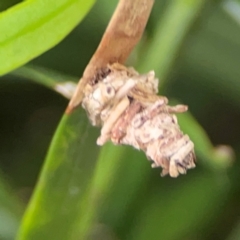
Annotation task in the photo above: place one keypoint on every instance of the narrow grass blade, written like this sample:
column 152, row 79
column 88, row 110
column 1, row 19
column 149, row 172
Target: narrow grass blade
column 65, row 85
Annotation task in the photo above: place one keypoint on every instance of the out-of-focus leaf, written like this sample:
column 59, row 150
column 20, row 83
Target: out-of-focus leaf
column 32, row 27
column 168, row 36
column 235, row 233
column 65, row 85
column 210, row 60
column 54, row 207
column 233, row 9
column 11, row 211
column 120, row 170
column 181, row 210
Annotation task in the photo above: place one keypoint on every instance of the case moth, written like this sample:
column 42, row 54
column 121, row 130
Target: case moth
column 126, row 105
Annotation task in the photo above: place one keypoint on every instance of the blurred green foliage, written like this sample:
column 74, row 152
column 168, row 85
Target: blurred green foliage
column 79, row 191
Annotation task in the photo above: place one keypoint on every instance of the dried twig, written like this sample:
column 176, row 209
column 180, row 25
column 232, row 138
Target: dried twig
column 122, row 34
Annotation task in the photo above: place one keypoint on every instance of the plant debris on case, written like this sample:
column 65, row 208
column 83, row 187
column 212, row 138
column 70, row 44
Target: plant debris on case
column 126, row 105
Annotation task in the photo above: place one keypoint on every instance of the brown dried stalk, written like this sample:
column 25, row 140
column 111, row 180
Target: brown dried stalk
column 122, row 34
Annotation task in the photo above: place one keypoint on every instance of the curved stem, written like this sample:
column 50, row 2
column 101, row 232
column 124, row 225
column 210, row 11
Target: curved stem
column 122, row 34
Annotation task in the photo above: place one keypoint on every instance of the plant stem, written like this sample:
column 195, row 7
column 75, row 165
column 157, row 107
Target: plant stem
column 122, row 34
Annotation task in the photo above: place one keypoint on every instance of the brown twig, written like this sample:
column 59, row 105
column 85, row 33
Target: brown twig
column 122, row 34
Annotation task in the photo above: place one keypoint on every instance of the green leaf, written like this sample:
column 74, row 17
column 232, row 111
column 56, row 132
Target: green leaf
column 119, row 170
column 30, row 28
column 176, row 212
column 11, row 211
column 54, row 207
column 61, row 83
